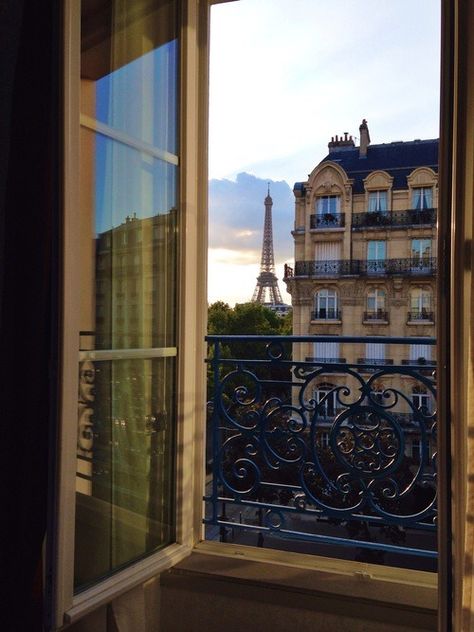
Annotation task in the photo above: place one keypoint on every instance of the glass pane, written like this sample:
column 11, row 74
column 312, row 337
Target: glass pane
column 128, row 242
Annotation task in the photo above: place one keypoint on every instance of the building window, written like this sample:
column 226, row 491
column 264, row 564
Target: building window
column 421, row 307
column 377, row 201
column 420, row 353
column 325, row 396
column 376, row 256
column 328, row 204
column 422, row 197
column 375, row 352
column 326, row 305
column 421, row 249
column 376, row 309
column 326, row 351
column 324, row 440
column 422, row 400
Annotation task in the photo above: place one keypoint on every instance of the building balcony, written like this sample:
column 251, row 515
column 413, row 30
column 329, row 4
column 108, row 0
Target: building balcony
column 327, row 220
column 325, row 360
column 420, row 316
column 394, row 219
column 418, row 362
column 376, row 314
column 423, row 266
column 272, row 480
column 326, row 314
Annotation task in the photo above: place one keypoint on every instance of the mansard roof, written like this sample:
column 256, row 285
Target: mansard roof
column 398, row 159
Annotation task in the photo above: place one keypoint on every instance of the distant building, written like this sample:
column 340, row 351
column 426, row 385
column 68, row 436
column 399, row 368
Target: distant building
column 365, row 238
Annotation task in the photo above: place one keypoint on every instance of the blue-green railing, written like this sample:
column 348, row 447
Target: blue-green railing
column 328, row 453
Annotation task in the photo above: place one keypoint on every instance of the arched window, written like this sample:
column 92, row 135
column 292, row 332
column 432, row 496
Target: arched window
column 376, row 304
column 326, row 305
column 421, row 305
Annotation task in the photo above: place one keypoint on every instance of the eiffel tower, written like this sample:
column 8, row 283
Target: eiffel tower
column 267, row 283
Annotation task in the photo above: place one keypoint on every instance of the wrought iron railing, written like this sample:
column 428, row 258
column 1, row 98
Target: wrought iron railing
column 327, row 220
column 394, row 219
column 273, row 474
column 419, row 361
column 322, row 361
column 376, row 314
column 420, row 315
column 326, row 314
column 377, row 361
column 358, row 267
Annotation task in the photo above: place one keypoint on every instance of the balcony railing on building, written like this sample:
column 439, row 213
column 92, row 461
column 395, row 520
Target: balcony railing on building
column 326, row 313
column 376, row 314
column 327, row 220
column 410, row 266
column 394, row 219
column 332, row 458
column 420, row 315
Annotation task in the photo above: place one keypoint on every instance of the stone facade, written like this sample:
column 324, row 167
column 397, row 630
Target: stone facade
column 365, row 246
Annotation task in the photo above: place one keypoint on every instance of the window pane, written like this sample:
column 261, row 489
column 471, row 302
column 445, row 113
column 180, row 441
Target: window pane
column 128, row 241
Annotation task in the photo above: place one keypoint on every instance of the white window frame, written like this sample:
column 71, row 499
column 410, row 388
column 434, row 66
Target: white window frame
column 424, row 193
column 379, row 297
column 323, row 205
column 378, row 200
column 67, row 606
column 322, row 299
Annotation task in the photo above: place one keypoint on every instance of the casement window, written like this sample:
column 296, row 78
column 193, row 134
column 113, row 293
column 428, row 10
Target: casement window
column 122, row 514
column 421, row 249
column 326, row 304
column 377, row 201
column 328, row 204
column 421, row 300
column 326, row 397
column 376, row 300
column 422, row 197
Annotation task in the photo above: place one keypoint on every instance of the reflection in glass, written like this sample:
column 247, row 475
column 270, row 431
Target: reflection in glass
column 128, row 242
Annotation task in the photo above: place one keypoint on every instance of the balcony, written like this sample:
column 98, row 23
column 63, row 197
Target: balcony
column 376, row 315
column 375, row 362
column 322, row 361
column 394, row 219
column 272, row 481
column 326, row 314
column 327, row 220
column 420, row 316
column 422, row 266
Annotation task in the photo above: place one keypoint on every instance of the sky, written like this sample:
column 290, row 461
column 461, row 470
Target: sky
column 286, row 75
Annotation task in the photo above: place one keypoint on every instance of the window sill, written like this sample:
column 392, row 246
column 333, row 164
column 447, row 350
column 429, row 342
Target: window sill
column 325, row 321
column 420, row 322
column 352, row 585
column 375, row 321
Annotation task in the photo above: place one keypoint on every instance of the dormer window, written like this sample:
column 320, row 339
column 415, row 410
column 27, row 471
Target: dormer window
column 377, row 201
column 422, row 197
column 328, row 204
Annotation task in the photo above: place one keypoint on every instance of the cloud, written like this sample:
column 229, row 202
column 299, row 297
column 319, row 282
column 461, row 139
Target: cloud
column 237, row 213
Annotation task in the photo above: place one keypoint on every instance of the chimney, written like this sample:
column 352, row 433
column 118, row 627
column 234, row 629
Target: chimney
column 364, row 139
column 337, row 143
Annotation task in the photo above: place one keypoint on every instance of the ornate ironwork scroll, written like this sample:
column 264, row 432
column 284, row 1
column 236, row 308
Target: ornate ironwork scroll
column 326, row 452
